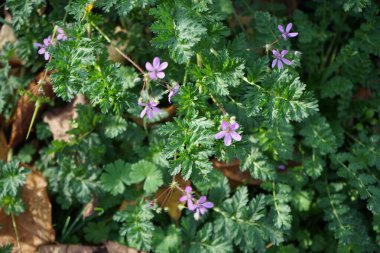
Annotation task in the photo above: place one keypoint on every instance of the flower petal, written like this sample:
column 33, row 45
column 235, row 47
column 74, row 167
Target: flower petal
column 149, row 66
column 208, row 205
column 156, row 63
column 281, row 28
column 234, row 126
column 191, row 205
column 224, row 125
column 235, row 136
column 171, row 93
column 156, row 110
column 37, row 44
column 60, row 36
column 220, row 135
column 188, row 189
column 275, row 53
column 286, row 61
column 163, row 66
column 160, row 75
column 227, row 139
column 60, row 30
column 288, row 27
column 202, row 200
column 152, row 75
column 183, row 198
column 274, row 62
column 150, row 113
column 143, row 112
column 153, row 103
column 47, row 41
column 42, row 50
column 284, row 52
column 202, row 210
column 292, row 34
column 47, row 56
column 279, row 64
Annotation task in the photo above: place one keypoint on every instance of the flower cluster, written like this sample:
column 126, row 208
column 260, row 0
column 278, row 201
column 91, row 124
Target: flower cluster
column 198, row 207
column 279, row 56
column 49, row 41
column 156, row 72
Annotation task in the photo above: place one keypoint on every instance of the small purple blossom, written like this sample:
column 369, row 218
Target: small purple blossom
column 200, row 207
column 228, row 132
column 42, row 47
column 156, row 70
column 285, row 33
column 150, row 109
column 188, row 197
column 279, row 59
column 281, row 167
column 61, row 34
column 173, row 91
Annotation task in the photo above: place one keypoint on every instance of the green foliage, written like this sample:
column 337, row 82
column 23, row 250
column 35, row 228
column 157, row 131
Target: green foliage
column 136, row 226
column 318, row 118
column 22, row 11
column 240, row 221
column 176, row 30
column 6, row 248
column 12, row 178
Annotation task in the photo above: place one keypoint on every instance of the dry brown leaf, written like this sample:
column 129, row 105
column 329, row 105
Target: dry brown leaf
column 3, row 146
column 35, row 224
column 25, row 107
column 59, row 119
column 115, row 247
column 108, row 247
column 231, row 171
column 7, row 35
column 168, row 198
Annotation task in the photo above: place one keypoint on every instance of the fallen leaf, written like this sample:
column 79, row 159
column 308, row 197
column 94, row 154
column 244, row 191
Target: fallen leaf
column 113, row 54
column 3, row 146
column 115, row 247
column 108, row 247
column 232, row 171
column 168, row 197
column 35, row 224
column 7, row 35
column 25, row 107
column 59, row 119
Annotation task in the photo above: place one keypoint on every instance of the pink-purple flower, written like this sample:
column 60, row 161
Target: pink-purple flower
column 228, row 132
column 156, row 70
column 173, row 91
column 286, row 33
column 188, row 197
column 200, row 207
column 42, row 47
column 150, row 109
column 279, row 59
column 61, row 34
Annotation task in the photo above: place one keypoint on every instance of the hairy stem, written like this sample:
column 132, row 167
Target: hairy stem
column 117, row 49
column 16, row 232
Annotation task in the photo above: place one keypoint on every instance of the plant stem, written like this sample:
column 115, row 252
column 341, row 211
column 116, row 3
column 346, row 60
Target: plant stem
column 16, row 232
column 117, row 49
column 217, row 104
